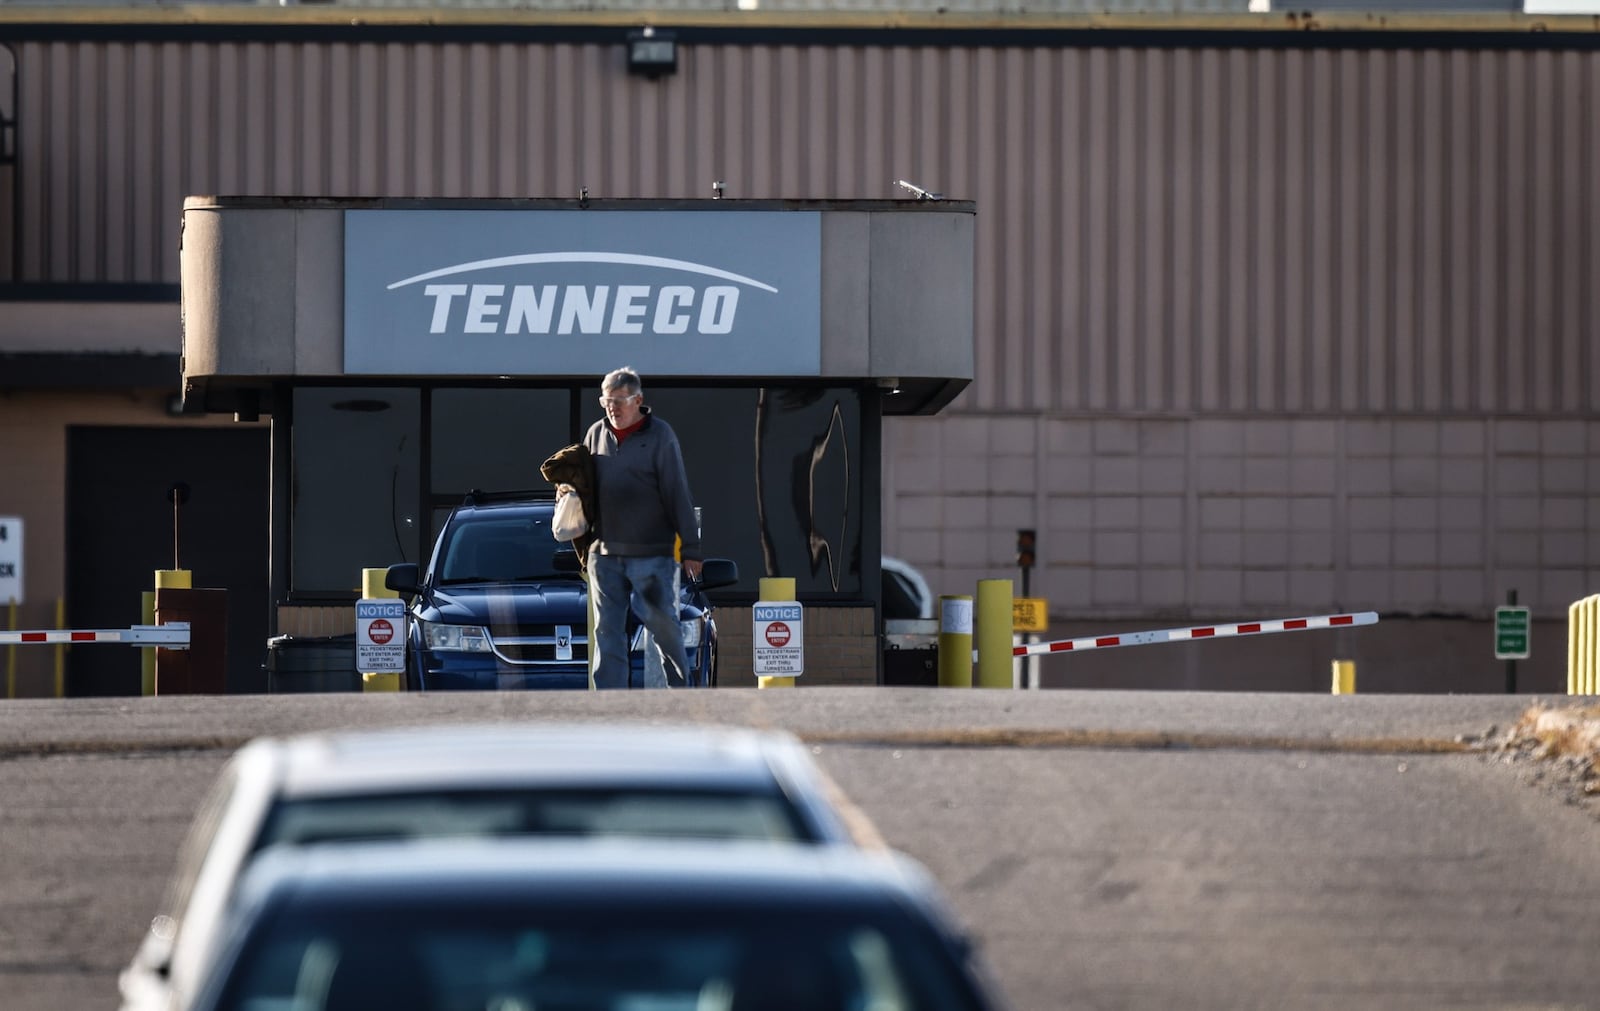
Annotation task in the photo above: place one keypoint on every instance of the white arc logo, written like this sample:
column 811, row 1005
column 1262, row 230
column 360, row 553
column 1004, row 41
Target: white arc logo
column 565, row 309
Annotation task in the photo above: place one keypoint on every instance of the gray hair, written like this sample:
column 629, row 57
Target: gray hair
column 623, row 378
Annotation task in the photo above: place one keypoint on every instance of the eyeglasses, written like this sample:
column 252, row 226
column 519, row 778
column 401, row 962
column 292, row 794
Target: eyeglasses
column 616, row 401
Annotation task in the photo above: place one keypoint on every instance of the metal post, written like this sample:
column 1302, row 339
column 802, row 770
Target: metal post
column 1511, row 665
column 1027, row 547
column 177, row 494
column 61, row 651
column 1030, row 663
column 11, row 651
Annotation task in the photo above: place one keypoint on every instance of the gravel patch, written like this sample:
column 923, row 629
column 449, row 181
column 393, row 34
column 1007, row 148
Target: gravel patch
column 1555, row 748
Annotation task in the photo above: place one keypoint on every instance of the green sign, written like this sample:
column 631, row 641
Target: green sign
column 1511, row 633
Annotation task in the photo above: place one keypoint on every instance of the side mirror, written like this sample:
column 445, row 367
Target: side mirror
column 565, row 560
column 403, row 576
column 717, row 572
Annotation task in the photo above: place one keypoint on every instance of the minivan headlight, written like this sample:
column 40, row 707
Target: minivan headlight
column 455, row 638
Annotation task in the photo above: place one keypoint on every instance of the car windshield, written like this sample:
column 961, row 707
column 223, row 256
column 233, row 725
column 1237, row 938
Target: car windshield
column 500, row 549
column 701, row 814
column 612, row 951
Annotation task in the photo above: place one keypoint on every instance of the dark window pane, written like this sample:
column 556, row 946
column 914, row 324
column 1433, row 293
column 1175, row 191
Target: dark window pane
column 355, row 491
column 495, row 439
column 778, row 477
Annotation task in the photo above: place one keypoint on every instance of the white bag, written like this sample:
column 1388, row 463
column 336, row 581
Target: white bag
column 569, row 523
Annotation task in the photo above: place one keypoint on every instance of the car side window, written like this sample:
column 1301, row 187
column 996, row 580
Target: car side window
column 191, row 855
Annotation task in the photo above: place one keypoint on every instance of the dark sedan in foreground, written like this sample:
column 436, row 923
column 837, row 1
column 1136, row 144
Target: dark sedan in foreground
column 580, row 780
column 607, row 924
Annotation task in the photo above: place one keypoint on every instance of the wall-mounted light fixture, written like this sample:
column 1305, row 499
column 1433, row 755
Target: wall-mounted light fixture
column 652, row 52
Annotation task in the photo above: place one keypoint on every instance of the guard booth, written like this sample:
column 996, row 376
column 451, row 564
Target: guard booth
column 408, row 351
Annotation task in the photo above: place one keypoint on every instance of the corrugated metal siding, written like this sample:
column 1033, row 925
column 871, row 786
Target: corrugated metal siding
column 894, row 6
column 9, row 206
column 1159, row 230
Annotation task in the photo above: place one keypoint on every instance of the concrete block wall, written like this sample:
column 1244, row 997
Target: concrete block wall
column 1218, row 517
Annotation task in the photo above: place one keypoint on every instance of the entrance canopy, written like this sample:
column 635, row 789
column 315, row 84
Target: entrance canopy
column 732, row 292
column 412, row 351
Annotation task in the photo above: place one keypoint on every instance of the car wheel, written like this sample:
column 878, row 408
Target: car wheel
column 711, row 662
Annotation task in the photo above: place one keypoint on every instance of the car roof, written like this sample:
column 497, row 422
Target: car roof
column 556, row 755
column 557, row 870
column 507, row 501
column 917, row 582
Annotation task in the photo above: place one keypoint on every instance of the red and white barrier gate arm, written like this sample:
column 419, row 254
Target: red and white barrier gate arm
column 173, row 635
column 1199, row 632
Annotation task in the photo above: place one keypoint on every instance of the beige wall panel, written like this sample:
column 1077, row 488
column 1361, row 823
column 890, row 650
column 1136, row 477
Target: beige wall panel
column 89, row 327
column 33, row 442
column 1159, row 230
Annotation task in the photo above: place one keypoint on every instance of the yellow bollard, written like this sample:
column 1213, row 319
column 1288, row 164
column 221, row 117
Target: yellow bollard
column 1580, row 646
column 1592, row 684
column 1589, row 645
column 61, row 649
column 174, row 579
column 1344, row 677
column 1574, row 616
column 147, row 654
column 955, row 641
column 994, row 634
column 372, row 588
column 166, row 579
column 776, row 588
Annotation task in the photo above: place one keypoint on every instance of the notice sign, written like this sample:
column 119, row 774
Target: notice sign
column 779, row 638
column 381, row 635
column 10, row 560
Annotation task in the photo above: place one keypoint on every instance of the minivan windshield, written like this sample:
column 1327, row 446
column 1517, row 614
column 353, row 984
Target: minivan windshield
column 500, row 549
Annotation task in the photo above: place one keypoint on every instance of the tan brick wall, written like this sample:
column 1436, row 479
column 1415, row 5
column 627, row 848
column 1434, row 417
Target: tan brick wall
column 841, row 647
column 332, row 619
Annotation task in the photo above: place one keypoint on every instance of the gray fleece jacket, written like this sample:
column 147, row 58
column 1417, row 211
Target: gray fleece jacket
column 644, row 493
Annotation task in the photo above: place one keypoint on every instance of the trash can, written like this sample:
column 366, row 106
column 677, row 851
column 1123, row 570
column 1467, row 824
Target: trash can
column 911, row 652
column 312, row 663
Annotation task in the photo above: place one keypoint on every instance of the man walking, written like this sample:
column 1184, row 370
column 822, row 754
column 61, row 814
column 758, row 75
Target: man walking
column 644, row 505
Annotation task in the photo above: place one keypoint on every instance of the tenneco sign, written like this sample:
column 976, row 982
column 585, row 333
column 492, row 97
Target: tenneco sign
column 581, row 292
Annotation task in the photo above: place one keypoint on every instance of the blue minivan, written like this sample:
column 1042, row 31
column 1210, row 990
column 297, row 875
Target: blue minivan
column 502, row 605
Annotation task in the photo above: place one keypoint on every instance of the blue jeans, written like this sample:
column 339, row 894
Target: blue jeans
column 650, row 586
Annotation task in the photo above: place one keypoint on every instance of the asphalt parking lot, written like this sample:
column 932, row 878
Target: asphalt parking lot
column 1107, row 849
